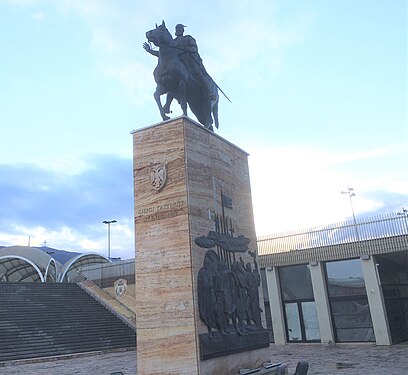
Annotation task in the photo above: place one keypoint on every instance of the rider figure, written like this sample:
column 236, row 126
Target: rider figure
column 191, row 59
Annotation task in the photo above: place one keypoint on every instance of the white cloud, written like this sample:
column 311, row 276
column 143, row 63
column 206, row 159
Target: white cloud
column 132, row 76
column 66, row 238
column 23, row 3
column 34, row 203
column 38, row 236
column 253, row 35
column 38, row 16
column 300, row 188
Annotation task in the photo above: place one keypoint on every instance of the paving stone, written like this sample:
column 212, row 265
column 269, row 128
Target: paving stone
column 358, row 359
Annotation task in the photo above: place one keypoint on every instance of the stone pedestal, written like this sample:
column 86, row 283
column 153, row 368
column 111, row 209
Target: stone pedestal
column 180, row 170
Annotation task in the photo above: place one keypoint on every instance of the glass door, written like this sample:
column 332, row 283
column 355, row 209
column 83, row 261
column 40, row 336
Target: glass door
column 299, row 305
column 309, row 318
column 293, row 326
column 301, row 322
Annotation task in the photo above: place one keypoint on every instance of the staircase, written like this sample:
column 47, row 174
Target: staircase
column 50, row 319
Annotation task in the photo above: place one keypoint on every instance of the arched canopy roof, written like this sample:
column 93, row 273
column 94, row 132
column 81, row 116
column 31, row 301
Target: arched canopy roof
column 51, row 271
column 28, row 261
column 80, row 261
column 25, row 263
column 37, row 256
column 15, row 268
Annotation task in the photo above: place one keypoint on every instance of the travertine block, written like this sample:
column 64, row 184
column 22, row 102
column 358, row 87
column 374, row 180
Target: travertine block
column 199, row 165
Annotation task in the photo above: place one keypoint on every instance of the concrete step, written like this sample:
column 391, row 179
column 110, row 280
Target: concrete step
column 48, row 319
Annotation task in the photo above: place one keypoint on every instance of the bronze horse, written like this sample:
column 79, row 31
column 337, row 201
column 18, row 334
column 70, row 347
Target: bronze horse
column 176, row 80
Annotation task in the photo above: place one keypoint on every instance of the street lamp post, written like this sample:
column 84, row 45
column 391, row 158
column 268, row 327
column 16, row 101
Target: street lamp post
column 109, row 222
column 350, row 192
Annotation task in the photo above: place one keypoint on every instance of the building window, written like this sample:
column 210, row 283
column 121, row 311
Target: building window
column 348, row 301
column 299, row 305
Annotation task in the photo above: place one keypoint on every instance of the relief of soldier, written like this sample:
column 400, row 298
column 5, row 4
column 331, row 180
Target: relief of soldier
column 228, row 298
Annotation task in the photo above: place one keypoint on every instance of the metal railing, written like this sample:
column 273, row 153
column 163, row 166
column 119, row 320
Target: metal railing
column 104, row 275
column 387, row 225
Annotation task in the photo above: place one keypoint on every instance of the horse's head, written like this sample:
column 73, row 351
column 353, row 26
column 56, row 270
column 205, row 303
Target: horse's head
column 159, row 36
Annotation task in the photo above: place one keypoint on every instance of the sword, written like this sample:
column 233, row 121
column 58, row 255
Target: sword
column 219, row 88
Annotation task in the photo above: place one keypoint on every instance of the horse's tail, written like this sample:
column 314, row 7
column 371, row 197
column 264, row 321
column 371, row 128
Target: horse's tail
column 215, row 113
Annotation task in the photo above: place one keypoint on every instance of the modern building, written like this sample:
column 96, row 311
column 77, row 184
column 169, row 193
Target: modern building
column 345, row 282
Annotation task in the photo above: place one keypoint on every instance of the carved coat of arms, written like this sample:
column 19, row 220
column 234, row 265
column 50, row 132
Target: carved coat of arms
column 120, row 287
column 158, row 176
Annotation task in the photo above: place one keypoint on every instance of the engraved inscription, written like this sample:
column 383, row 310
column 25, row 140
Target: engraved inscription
column 160, row 215
column 160, row 211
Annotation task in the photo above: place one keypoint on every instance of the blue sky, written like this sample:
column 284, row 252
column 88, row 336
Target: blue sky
column 318, row 90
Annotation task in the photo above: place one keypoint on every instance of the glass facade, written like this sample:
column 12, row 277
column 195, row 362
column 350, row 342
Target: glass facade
column 393, row 271
column 349, row 308
column 348, row 301
column 299, row 305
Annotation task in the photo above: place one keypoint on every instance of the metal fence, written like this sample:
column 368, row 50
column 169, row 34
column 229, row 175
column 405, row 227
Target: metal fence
column 388, row 225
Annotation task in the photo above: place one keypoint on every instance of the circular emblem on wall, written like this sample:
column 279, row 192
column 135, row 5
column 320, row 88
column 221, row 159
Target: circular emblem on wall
column 120, row 287
column 158, row 176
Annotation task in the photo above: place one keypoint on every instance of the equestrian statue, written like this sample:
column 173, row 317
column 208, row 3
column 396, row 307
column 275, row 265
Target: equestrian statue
column 181, row 75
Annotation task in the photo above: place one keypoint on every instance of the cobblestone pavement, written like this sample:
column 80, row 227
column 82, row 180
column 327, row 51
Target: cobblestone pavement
column 357, row 359
column 339, row 360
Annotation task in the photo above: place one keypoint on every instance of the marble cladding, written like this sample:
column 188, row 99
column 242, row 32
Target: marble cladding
column 199, row 165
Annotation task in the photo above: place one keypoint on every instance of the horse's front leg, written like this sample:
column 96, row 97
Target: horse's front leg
column 182, row 100
column 160, row 91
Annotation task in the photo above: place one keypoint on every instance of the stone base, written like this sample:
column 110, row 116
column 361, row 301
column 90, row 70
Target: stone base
column 219, row 345
column 181, row 173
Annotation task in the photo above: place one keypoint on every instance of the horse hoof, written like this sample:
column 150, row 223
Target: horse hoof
column 165, row 118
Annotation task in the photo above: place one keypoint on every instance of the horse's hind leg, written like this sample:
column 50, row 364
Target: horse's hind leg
column 169, row 99
column 207, row 113
column 160, row 91
column 215, row 113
